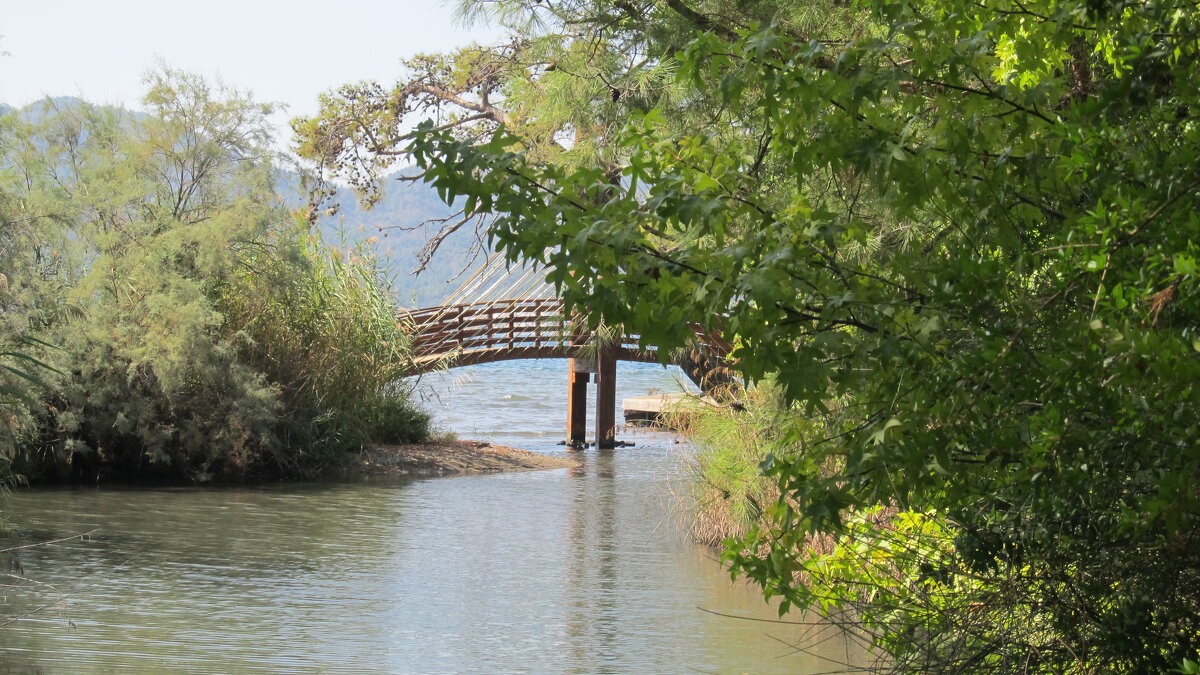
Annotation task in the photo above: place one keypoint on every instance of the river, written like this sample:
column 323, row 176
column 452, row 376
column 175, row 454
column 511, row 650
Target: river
column 565, row 571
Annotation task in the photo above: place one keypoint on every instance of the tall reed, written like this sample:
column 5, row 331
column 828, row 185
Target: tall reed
column 319, row 322
column 728, row 489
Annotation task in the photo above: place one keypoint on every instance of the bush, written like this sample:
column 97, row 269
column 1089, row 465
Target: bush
column 201, row 330
column 320, row 325
column 396, row 420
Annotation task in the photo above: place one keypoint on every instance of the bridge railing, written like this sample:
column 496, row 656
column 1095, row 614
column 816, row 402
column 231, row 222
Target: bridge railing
column 458, row 335
column 464, row 334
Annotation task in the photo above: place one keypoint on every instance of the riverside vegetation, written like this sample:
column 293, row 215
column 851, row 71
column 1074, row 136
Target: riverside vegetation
column 959, row 237
column 166, row 315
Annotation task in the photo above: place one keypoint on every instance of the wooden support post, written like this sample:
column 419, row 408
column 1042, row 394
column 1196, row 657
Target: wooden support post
column 606, row 397
column 577, row 386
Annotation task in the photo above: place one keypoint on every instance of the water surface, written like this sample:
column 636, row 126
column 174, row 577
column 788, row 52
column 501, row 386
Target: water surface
column 571, row 571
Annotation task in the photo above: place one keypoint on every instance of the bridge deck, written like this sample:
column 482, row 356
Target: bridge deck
column 460, row 335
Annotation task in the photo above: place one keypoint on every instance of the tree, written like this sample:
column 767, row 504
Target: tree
column 208, row 333
column 564, row 85
column 961, row 237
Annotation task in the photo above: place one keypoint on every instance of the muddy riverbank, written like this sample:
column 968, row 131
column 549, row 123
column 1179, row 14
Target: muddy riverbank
column 447, row 458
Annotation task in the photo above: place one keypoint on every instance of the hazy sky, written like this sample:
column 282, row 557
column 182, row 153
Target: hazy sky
column 284, row 51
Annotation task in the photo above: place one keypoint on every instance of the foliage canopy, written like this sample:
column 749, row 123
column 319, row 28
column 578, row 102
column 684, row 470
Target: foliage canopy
column 960, row 235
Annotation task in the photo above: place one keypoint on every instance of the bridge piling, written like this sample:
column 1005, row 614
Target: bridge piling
column 577, row 386
column 606, row 397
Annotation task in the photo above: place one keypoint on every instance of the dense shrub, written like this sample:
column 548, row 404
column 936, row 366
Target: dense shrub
column 320, row 327
column 200, row 330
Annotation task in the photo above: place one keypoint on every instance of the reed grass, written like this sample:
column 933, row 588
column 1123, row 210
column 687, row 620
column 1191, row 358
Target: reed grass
column 321, row 324
column 728, row 489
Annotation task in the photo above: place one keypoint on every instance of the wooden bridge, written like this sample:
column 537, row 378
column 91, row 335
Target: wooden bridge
column 533, row 326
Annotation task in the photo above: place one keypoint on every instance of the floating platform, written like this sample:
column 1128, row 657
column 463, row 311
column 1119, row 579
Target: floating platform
column 653, row 409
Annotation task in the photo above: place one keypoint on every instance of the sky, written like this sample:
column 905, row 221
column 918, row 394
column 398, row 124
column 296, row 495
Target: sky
column 282, row 51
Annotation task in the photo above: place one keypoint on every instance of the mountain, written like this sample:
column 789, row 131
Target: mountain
column 392, row 228
column 394, row 231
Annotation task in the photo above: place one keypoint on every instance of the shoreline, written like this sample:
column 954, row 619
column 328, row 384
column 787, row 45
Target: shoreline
column 447, row 459
column 415, row 460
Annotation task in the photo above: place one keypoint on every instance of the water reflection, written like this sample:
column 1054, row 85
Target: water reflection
column 593, row 616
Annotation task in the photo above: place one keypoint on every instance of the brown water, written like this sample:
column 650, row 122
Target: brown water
column 565, row 571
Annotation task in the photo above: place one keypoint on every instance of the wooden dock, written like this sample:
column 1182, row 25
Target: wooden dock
column 652, row 409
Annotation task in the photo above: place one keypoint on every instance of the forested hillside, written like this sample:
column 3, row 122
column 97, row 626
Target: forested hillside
column 396, row 229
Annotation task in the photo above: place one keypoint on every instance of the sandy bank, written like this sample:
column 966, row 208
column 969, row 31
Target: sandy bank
column 435, row 459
